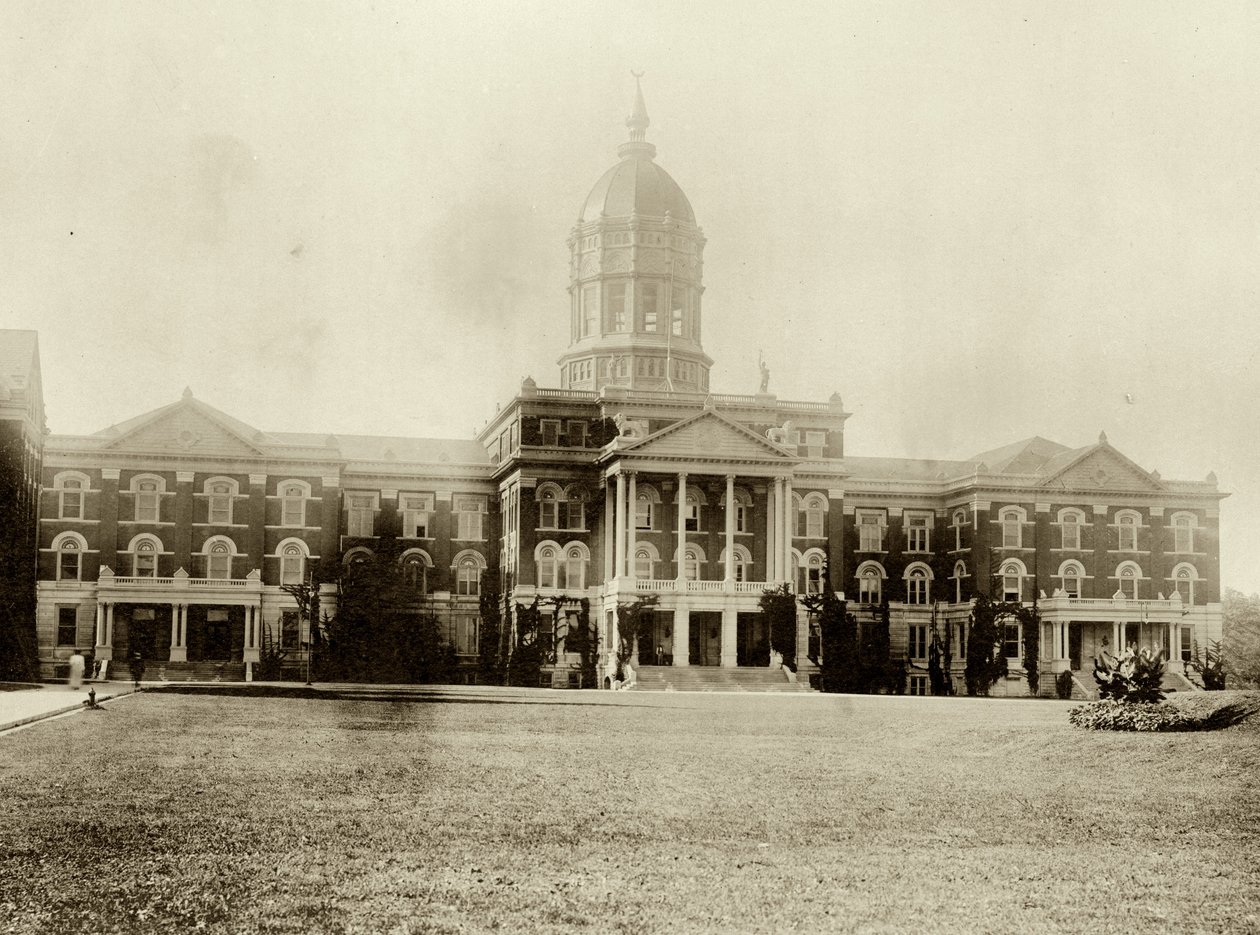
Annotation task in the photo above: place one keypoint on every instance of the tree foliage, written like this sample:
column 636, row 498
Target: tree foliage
column 877, row 670
column 631, row 616
column 985, row 662
column 837, row 660
column 779, row 607
column 529, row 651
column 940, row 658
column 1240, row 648
column 491, row 658
column 1132, row 677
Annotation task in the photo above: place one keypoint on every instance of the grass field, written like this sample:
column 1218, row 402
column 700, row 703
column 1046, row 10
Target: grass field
column 560, row 811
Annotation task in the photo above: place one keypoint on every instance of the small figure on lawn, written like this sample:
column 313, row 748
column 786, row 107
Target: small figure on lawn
column 77, row 665
column 137, row 669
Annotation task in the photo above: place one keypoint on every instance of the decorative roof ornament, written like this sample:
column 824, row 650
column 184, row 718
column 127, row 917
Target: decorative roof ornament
column 1102, row 438
column 637, row 146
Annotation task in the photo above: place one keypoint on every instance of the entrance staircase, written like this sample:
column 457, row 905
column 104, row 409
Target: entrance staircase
column 196, row 671
column 1086, row 689
column 715, row 679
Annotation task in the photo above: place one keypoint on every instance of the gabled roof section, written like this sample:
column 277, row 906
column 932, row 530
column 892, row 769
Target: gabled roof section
column 187, row 426
column 386, row 448
column 710, row 435
column 1099, row 466
column 1023, row 457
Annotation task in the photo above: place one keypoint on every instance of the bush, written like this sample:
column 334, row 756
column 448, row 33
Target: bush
column 1112, row 714
column 1133, row 677
column 1063, row 685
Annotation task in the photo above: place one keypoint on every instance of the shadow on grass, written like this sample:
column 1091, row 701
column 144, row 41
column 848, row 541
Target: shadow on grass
column 429, row 696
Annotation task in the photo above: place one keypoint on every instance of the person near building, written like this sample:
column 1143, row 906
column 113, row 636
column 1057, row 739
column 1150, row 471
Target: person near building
column 77, row 665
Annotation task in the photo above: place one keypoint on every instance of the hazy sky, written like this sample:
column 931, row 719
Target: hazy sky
column 977, row 221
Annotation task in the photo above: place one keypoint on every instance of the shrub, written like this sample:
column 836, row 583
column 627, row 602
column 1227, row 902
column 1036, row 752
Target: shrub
column 1133, row 677
column 1210, row 666
column 1063, row 685
column 1113, row 714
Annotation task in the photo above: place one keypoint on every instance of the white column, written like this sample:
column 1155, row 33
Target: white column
column 610, row 533
column 789, row 520
column 109, row 630
column 730, row 529
column 771, row 538
column 620, row 559
column 100, row 627
column 778, row 530
column 682, row 636
column 630, row 524
column 730, row 626
column 179, row 633
column 682, row 526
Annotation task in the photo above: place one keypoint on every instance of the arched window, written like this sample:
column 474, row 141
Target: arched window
column 1183, row 579
column 693, row 561
column 144, row 557
column 870, row 576
column 809, row 517
column 69, row 548
column 575, row 567
column 549, row 499
column 1012, row 520
column 1183, row 533
column 1129, row 574
column 415, row 570
column 959, row 522
column 1072, row 574
column 960, row 572
column 1012, row 575
column 468, row 568
column 548, row 562
column 740, row 562
column 918, row 584
column 70, row 486
column 357, row 560
column 645, row 501
column 1127, row 527
column 218, row 559
column 292, row 554
column 812, row 566
column 1070, row 523
column 293, row 497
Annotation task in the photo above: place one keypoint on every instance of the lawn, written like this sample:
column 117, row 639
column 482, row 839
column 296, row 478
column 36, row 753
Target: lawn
column 560, row 811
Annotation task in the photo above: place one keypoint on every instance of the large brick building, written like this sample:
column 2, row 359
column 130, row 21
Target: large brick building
column 173, row 533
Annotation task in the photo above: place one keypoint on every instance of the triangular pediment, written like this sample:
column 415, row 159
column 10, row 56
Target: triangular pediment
column 1103, row 468
column 185, row 427
column 708, row 436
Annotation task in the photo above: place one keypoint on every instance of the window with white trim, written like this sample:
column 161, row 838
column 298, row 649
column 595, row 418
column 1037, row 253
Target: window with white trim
column 144, row 559
column 1012, row 579
column 290, row 629
column 811, row 516
column 292, row 564
column 468, row 577
column 1183, row 533
column 67, row 626
column 644, row 509
column 960, row 522
column 574, row 568
column 466, row 633
column 415, row 569
column 1184, row 577
column 218, row 561
column 870, row 525
column 550, row 431
column 1012, row 633
column 1187, row 643
column 691, row 513
column 590, row 311
column 69, row 560
column 548, row 567
column 870, row 584
column 615, row 305
column 219, row 504
column 70, row 496
column 293, row 498
column 1072, row 574
column 1070, row 522
column 416, row 510
column 470, row 511
column 815, row 444
column 917, row 586
column 960, row 572
column 918, row 532
column 644, row 563
column 1012, row 520
column 692, row 560
column 147, row 494
column 1126, row 528
column 360, row 514
column 1129, row 575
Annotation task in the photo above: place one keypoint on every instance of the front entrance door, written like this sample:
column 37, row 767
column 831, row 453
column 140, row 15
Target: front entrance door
column 753, row 640
column 1132, row 635
column 705, row 638
column 1074, row 645
column 656, row 640
column 218, row 639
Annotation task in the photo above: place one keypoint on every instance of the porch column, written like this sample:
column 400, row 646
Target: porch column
column 630, row 524
column 682, row 526
column 730, row 529
column 620, row 558
column 610, row 533
column 682, row 636
column 100, row 629
column 778, row 530
column 1174, row 642
column 109, row 630
column 730, row 628
column 1117, row 637
column 789, row 520
column 771, row 538
column 249, row 654
column 179, row 633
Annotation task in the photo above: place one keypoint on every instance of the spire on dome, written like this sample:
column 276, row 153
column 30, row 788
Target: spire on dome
column 637, row 123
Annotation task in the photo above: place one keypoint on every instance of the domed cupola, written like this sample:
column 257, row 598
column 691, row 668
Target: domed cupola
column 636, row 257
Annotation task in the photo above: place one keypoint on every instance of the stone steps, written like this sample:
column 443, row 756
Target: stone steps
column 715, row 679
column 196, row 671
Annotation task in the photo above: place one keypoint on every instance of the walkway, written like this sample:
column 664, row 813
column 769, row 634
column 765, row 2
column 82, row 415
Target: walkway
column 24, row 705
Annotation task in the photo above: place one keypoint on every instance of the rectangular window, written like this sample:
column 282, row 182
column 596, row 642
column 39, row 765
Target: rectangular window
column 692, row 516
column 466, row 635
column 615, row 305
column 360, row 514
column 219, row 565
column 550, row 430
column 576, row 432
column 741, row 518
column 643, row 514
column 416, row 509
column 918, row 641
column 548, row 514
column 1010, row 587
column 1182, row 537
column 1011, row 532
column 1187, row 643
column 676, row 324
column 68, row 562
column 647, row 299
column 917, row 533
column 67, row 626
column 870, row 532
column 917, row 589
column 1071, row 532
column 293, row 509
column 962, row 641
column 289, row 631
column 469, row 511
column 1128, row 534
column 72, row 500
column 815, row 444
column 147, row 503
column 590, row 311
column 918, row 685
column 1010, row 641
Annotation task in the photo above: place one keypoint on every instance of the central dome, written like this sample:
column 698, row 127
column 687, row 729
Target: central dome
column 637, row 185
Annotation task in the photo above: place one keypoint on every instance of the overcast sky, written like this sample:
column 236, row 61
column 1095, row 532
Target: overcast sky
column 977, row 221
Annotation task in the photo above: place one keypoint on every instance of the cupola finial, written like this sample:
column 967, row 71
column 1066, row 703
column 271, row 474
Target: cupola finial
column 637, row 123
